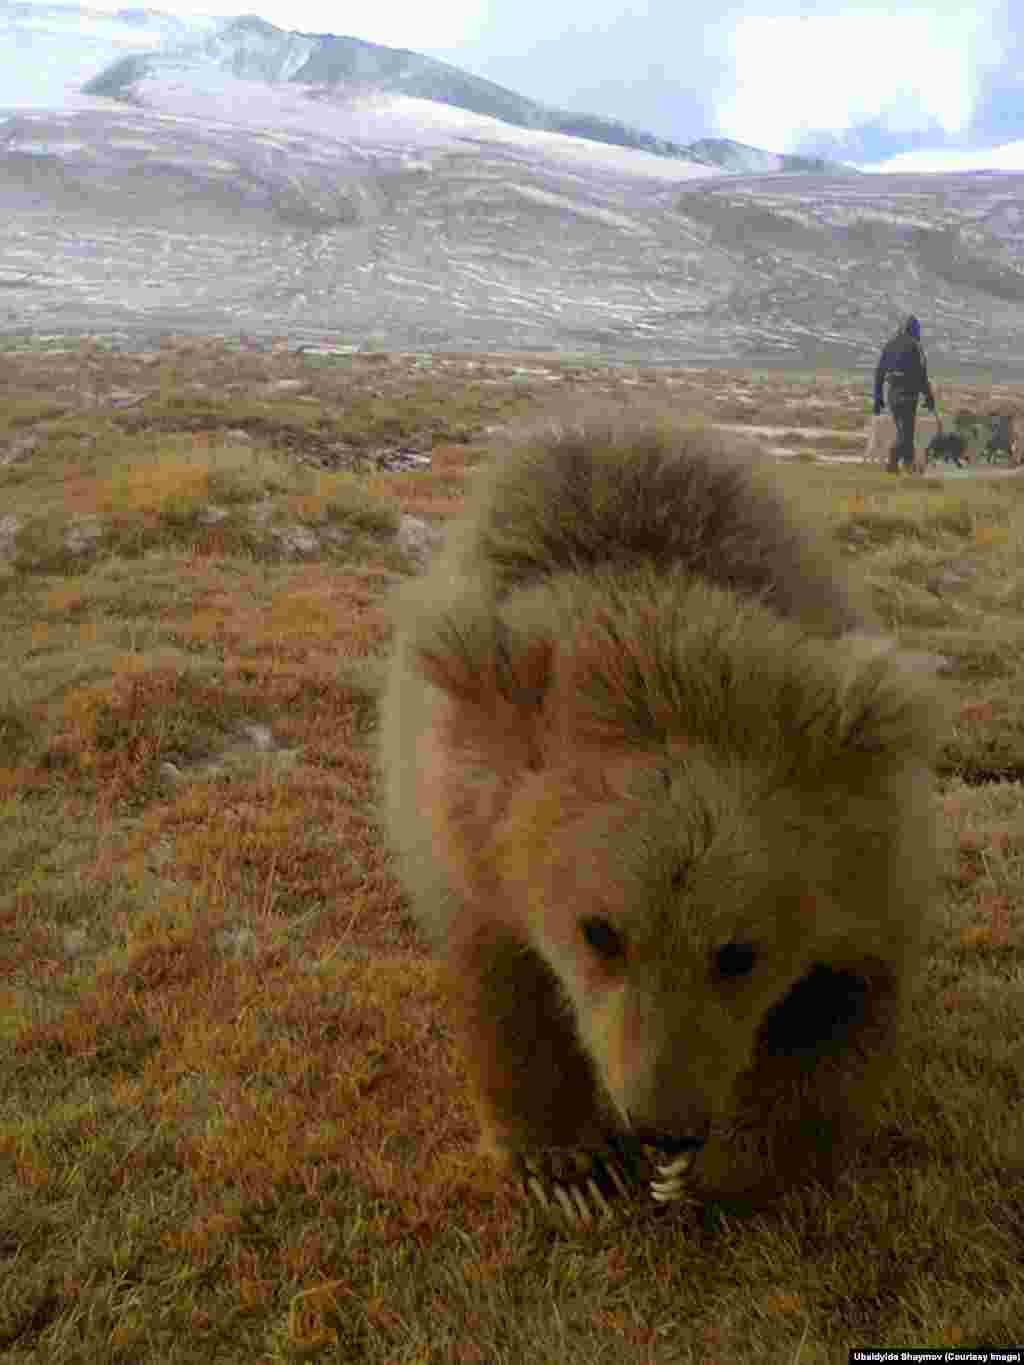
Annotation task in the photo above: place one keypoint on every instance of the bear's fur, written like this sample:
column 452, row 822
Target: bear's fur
column 669, row 832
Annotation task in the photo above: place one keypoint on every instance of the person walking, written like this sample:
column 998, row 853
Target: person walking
column 903, row 370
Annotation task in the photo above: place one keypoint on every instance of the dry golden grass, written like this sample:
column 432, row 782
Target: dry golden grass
column 231, row 1124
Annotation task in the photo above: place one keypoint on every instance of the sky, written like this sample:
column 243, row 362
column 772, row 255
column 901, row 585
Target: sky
column 936, row 86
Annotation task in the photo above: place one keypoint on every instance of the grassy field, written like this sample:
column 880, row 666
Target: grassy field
column 232, row 1127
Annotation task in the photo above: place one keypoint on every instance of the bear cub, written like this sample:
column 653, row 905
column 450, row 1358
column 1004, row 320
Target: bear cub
column 665, row 815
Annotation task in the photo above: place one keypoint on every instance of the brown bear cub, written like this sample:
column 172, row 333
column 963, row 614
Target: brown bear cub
column 670, row 832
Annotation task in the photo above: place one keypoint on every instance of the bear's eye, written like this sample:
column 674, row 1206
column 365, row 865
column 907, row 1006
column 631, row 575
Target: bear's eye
column 603, row 937
column 735, row 959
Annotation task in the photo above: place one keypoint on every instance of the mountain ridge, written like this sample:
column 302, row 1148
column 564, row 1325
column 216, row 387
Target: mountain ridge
column 249, row 47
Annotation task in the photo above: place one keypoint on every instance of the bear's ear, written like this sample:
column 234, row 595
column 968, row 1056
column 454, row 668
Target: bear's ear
column 888, row 702
column 476, row 658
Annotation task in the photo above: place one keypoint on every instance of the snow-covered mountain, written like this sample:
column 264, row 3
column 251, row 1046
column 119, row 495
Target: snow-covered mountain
column 50, row 51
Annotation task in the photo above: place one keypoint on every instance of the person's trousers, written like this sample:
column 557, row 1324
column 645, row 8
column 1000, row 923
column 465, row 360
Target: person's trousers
column 904, row 411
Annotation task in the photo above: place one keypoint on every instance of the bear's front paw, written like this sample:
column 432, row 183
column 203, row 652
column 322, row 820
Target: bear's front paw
column 671, row 1172
column 574, row 1185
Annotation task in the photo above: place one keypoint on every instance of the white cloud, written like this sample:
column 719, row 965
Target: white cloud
column 833, row 71
column 1009, row 157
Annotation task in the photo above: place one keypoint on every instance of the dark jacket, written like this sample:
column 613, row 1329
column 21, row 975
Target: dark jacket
column 903, row 364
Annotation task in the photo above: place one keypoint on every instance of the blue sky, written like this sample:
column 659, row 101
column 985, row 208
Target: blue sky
column 937, row 86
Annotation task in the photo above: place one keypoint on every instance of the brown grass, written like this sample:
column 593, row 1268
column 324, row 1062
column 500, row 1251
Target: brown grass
column 231, row 1124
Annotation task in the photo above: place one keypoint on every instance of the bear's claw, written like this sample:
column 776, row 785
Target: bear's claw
column 671, row 1186
column 568, row 1185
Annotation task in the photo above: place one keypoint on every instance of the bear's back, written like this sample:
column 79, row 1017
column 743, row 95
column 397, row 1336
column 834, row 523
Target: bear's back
column 606, row 494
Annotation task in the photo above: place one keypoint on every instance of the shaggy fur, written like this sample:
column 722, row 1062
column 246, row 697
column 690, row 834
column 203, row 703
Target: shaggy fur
column 671, row 835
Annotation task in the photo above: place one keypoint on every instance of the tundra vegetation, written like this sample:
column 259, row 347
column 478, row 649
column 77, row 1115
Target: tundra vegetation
column 232, row 1123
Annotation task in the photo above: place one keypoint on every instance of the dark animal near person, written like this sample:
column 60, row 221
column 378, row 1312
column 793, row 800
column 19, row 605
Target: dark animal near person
column 948, row 446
